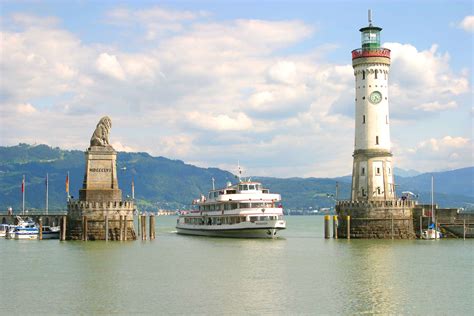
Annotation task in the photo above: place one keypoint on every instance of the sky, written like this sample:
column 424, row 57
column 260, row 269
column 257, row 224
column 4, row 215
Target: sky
column 267, row 84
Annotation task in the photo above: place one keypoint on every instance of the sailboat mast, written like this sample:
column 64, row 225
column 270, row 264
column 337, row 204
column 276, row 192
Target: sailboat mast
column 432, row 199
column 47, row 184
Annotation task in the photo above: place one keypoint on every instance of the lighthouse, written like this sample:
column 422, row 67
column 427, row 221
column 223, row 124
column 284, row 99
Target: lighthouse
column 373, row 210
column 372, row 174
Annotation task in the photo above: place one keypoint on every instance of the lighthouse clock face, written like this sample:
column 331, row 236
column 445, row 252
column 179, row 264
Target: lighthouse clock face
column 375, row 97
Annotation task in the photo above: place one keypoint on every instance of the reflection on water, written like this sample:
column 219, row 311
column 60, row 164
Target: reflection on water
column 300, row 273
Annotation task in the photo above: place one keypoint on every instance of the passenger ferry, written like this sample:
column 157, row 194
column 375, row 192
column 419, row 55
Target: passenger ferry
column 245, row 210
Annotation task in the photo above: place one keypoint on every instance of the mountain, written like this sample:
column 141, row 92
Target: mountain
column 171, row 184
column 405, row 173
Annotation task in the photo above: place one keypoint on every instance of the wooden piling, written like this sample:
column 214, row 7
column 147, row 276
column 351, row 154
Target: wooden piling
column 334, row 226
column 84, row 228
column 327, row 233
column 40, row 232
column 125, row 227
column 107, row 226
column 152, row 227
column 464, row 229
column 421, row 226
column 143, row 227
column 63, row 229
column 138, row 224
column 348, row 218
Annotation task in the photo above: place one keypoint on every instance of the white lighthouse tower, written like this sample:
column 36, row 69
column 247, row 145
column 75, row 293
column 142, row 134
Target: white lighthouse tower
column 372, row 174
column 373, row 210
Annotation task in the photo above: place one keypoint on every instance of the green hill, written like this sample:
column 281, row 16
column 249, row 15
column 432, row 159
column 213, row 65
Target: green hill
column 172, row 184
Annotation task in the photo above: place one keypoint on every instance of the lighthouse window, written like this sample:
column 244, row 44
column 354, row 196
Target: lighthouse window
column 363, row 119
column 363, row 74
column 363, row 173
column 378, row 190
column 376, row 140
column 377, row 172
column 376, row 72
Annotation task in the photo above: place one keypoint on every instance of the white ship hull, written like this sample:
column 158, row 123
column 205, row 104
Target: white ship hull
column 242, row 230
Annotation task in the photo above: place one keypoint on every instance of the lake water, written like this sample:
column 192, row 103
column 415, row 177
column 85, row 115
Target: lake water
column 301, row 273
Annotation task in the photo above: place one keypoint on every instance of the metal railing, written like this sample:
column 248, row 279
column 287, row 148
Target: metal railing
column 370, row 52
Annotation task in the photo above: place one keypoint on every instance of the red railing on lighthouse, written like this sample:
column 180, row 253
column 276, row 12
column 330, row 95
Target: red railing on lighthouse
column 370, row 52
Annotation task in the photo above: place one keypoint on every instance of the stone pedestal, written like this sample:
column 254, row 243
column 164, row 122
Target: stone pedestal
column 376, row 219
column 100, row 199
column 100, row 178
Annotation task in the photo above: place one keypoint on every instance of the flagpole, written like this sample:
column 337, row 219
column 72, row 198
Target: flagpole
column 47, row 183
column 23, row 195
column 67, row 186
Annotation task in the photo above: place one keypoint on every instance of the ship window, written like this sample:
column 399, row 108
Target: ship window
column 363, row 119
column 376, row 140
column 244, row 205
column 265, row 191
column 263, row 218
column 251, row 187
column 253, row 218
column 210, row 195
column 233, row 206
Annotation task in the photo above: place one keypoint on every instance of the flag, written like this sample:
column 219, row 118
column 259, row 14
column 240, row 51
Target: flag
column 67, row 183
column 23, row 185
column 133, row 190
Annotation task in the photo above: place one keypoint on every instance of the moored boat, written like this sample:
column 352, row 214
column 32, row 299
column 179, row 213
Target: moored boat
column 244, row 210
column 50, row 232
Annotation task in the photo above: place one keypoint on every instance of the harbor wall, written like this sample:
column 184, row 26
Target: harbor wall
column 392, row 219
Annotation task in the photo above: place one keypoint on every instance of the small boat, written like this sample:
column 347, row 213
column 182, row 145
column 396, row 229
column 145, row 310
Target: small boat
column 4, row 228
column 244, row 210
column 23, row 230
column 50, row 232
column 432, row 232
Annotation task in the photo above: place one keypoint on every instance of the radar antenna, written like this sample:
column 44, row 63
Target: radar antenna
column 370, row 17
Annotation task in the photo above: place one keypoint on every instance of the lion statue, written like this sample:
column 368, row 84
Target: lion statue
column 101, row 133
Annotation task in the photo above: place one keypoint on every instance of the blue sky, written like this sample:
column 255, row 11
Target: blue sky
column 268, row 83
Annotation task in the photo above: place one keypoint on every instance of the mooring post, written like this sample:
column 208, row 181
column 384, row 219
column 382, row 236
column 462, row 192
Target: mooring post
column 138, row 223
column 348, row 227
column 421, row 226
column 143, row 227
column 334, row 227
column 120, row 228
column 327, row 233
column 125, row 227
column 464, row 229
column 107, row 226
column 63, row 228
column 152, row 226
column 84, row 230
column 40, row 232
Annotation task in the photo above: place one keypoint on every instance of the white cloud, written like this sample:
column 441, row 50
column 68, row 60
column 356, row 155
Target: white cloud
column 110, row 66
column 206, row 86
column 422, row 80
column 436, row 106
column 221, row 122
column 467, row 24
column 26, row 109
column 448, row 152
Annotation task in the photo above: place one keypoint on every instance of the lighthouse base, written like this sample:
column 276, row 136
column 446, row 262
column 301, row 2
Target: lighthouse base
column 392, row 219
